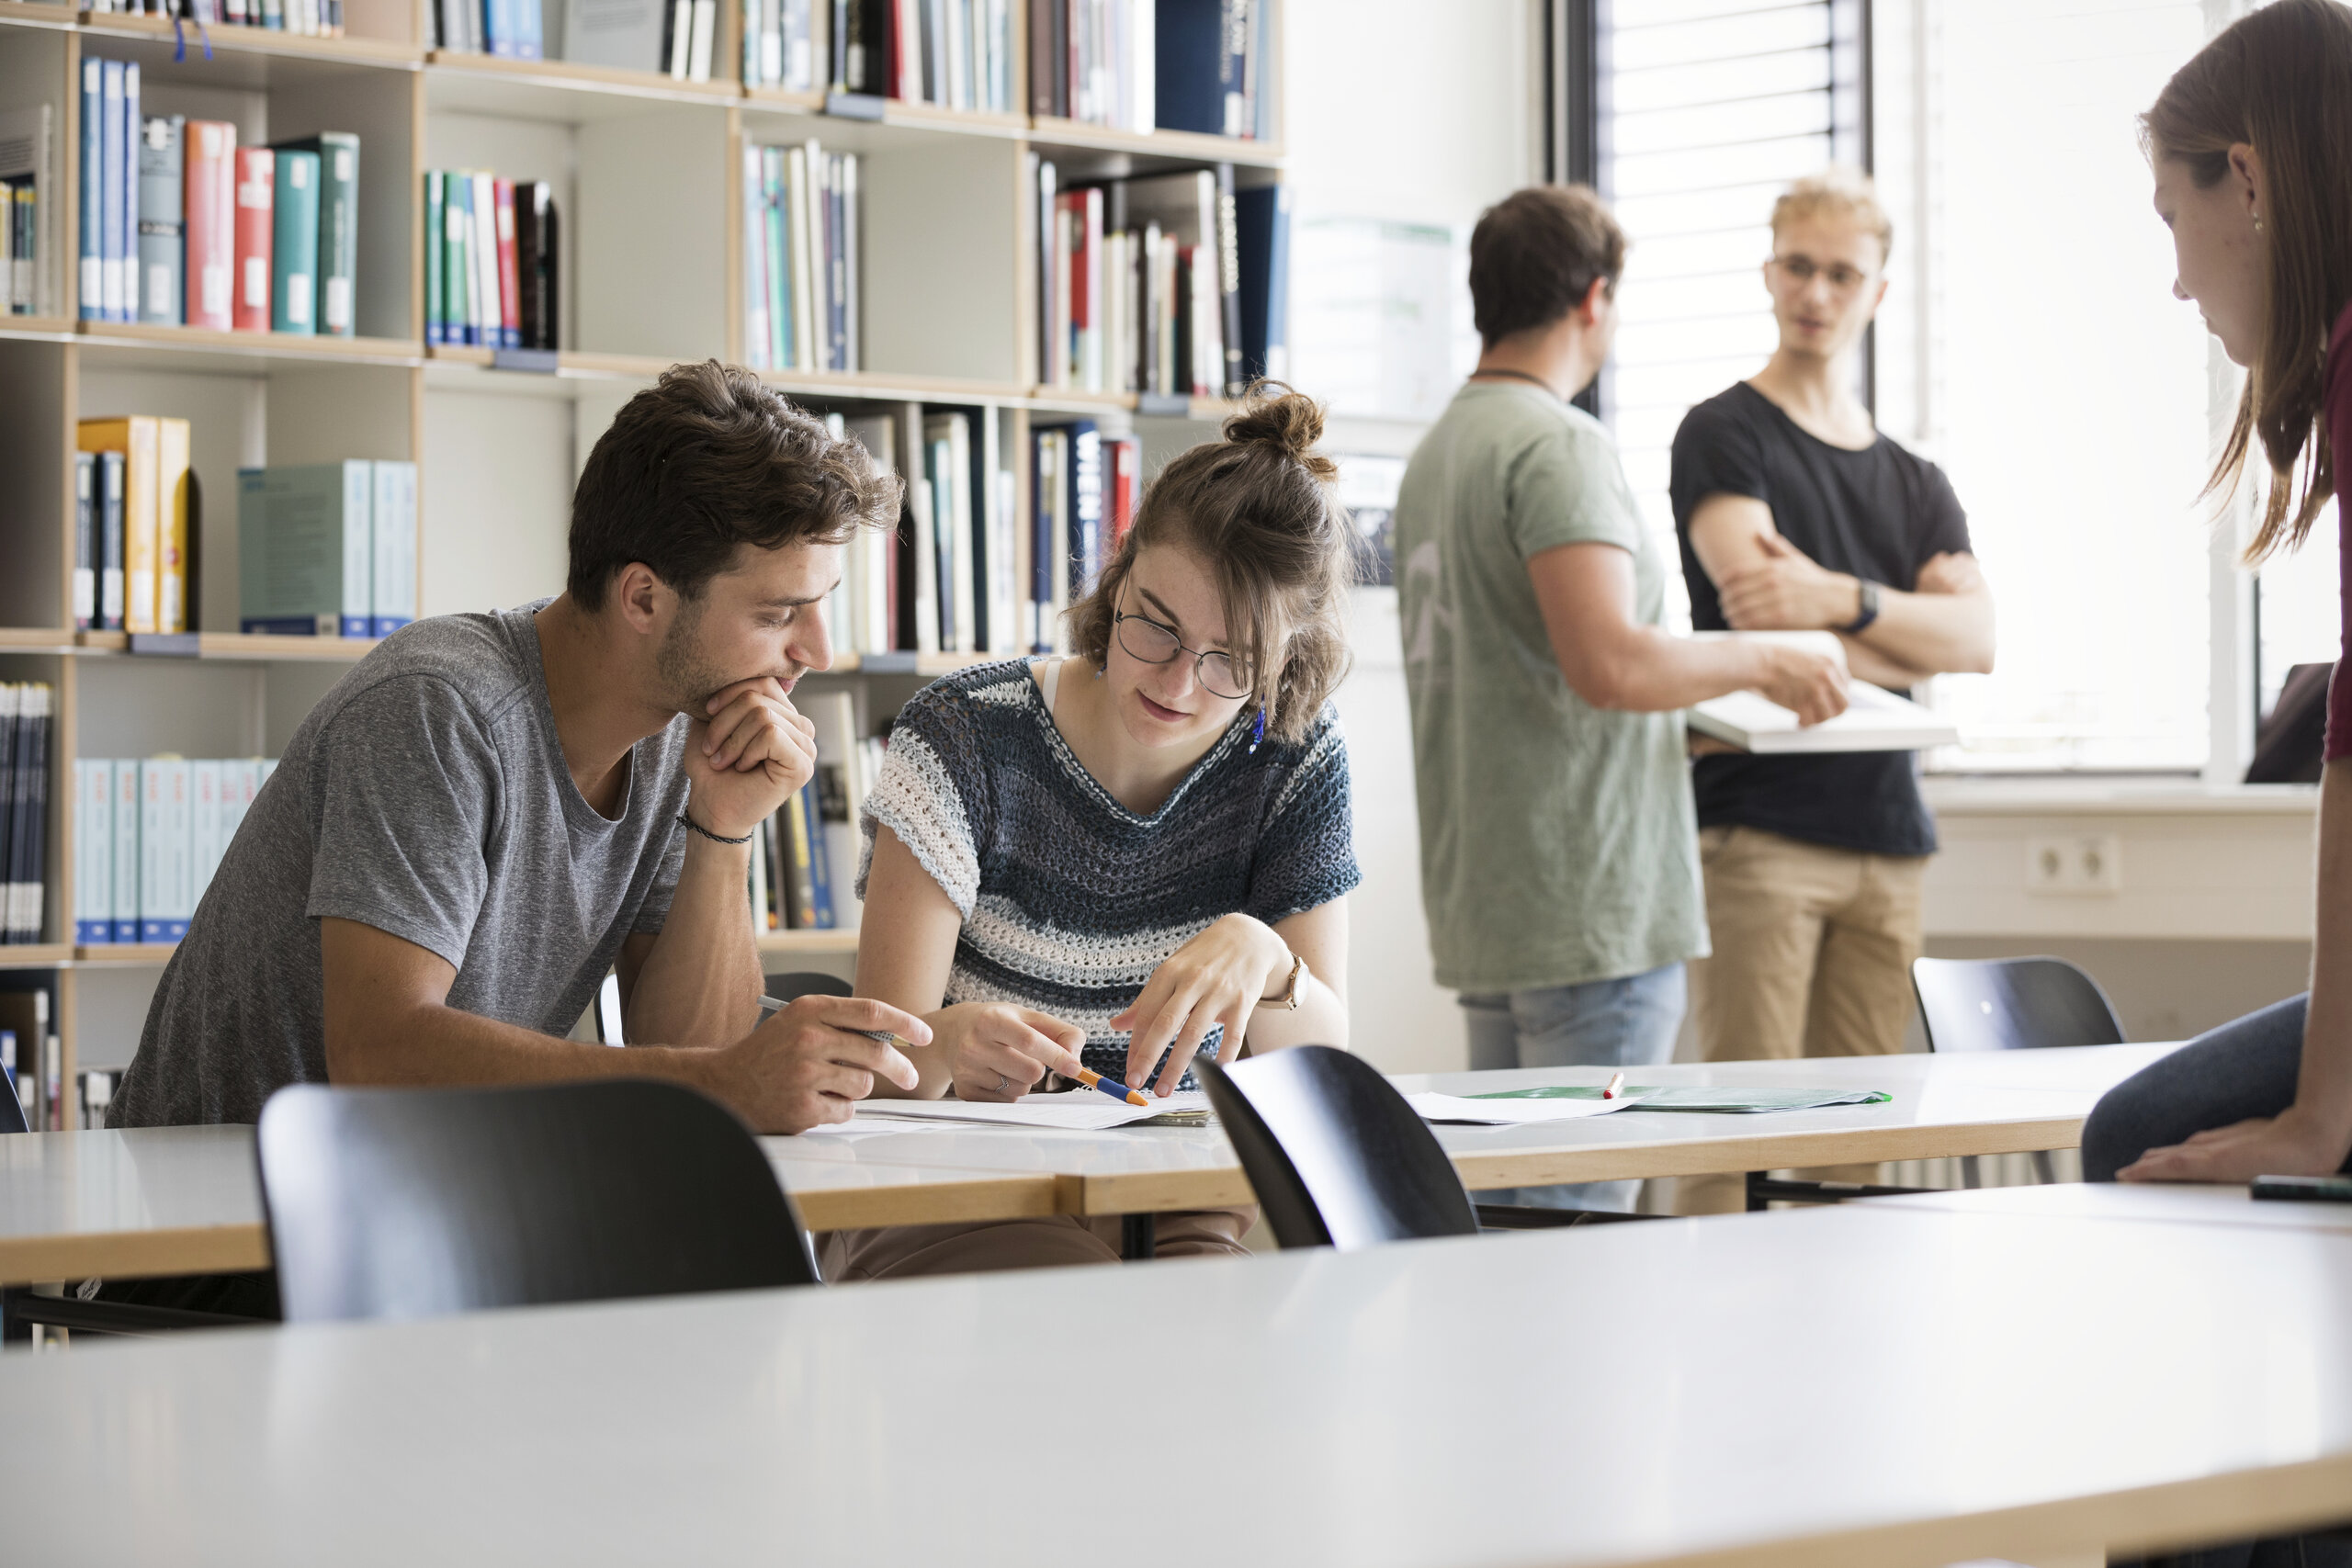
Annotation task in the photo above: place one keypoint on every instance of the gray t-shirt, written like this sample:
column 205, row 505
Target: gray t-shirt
column 425, row 796
column 1558, row 845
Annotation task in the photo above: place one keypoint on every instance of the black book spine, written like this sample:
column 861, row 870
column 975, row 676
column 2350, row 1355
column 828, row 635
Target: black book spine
column 32, row 844
column 1227, row 242
column 108, row 489
column 12, row 698
column 550, row 272
column 526, row 261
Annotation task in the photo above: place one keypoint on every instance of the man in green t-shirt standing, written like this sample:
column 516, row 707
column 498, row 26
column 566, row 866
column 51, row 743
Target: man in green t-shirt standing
column 1559, row 853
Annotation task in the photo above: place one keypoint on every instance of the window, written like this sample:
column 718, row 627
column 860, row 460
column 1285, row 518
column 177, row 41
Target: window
column 2029, row 342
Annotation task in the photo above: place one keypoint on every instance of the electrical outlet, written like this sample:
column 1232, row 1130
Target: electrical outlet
column 2090, row 862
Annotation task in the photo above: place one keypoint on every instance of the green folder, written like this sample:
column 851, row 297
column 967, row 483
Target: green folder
column 1702, row 1096
column 294, row 245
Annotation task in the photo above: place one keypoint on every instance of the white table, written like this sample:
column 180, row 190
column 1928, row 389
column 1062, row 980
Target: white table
column 187, row 1200
column 1830, row 1388
column 2161, row 1203
column 1975, row 1103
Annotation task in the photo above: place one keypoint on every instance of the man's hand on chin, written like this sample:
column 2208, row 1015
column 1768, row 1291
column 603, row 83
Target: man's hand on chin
column 746, row 755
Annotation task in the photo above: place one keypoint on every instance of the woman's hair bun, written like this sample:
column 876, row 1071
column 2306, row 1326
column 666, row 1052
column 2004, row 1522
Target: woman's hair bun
column 1290, row 422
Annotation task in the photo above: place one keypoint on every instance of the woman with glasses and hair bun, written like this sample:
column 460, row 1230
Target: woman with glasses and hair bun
column 2251, row 142
column 1139, row 854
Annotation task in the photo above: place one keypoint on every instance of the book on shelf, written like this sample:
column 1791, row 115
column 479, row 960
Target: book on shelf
column 98, row 501
column 805, row 858
column 333, row 236
column 862, row 612
column 150, row 492
column 209, row 223
column 1262, row 239
column 294, row 241
column 310, row 18
column 162, row 238
column 491, row 261
column 30, row 198
column 148, row 836
column 257, row 178
column 327, row 549
column 780, row 45
column 623, row 35
column 956, row 55
column 85, row 541
column 511, row 29
column 26, row 713
column 1198, row 65
column 802, row 215
column 29, row 1047
column 109, row 193
column 1141, row 286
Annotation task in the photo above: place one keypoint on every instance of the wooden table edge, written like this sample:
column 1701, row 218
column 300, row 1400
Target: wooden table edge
column 979, row 1197
column 133, row 1255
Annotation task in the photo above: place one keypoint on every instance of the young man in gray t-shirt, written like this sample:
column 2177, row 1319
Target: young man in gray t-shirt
column 1559, row 858
column 490, row 811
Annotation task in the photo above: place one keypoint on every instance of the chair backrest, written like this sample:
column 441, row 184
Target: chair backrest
column 391, row 1203
column 2012, row 1004
column 1335, row 1154
column 806, row 983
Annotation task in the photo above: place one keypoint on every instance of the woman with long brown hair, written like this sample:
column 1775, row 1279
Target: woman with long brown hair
column 2251, row 142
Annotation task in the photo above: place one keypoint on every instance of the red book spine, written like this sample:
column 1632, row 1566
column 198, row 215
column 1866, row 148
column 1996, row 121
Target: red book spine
column 1126, row 484
column 510, row 280
column 211, row 211
column 256, row 192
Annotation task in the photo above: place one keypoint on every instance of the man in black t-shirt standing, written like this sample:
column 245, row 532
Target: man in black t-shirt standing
column 1795, row 514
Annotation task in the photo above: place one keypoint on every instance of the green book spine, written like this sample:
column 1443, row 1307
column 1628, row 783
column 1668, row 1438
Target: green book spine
column 456, row 265
column 435, row 311
column 338, row 260
column 294, row 245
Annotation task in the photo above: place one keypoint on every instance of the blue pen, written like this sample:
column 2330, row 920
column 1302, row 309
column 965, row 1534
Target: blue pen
column 1118, row 1091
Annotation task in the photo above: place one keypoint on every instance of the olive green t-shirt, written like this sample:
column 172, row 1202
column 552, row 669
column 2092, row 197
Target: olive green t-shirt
column 1559, row 842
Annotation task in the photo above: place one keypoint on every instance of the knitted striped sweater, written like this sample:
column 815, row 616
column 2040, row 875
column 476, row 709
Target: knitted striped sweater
column 1071, row 900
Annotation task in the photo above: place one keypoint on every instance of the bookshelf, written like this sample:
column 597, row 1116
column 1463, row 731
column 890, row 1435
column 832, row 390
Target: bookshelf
column 645, row 174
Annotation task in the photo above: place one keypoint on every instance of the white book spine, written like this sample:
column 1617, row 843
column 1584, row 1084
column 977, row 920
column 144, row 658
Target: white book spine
column 125, row 901
column 179, row 845
column 485, row 239
column 204, row 826
column 93, row 864
column 393, row 536
column 359, row 546
column 154, row 880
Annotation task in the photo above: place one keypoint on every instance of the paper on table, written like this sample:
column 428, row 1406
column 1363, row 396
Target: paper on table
column 1699, row 1096
column 1078, row 1111
column 1508, row 1112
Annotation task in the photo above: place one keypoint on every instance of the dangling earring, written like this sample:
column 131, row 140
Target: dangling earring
column 1258, row 730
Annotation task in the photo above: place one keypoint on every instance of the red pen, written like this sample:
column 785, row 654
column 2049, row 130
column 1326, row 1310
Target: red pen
column 1616, row 1082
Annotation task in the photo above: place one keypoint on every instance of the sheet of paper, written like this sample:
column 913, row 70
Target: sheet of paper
column 1508, row 1112
column 1693, row 1097
column 1874, row 720
column 1078, row 1111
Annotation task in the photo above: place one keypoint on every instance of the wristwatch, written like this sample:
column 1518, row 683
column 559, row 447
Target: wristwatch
column 1289, row 998
column 1869, row 608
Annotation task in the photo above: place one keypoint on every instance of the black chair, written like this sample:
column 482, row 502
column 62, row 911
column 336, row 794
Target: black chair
column 395, row 1203
column 1335, row 1154
column 2012, row 1004
column 806, row 983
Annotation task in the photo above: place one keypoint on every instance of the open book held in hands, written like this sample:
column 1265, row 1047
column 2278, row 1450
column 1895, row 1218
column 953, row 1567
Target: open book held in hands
column 1875, row 719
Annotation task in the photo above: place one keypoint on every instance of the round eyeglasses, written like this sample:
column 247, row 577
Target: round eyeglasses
column 1221, row 674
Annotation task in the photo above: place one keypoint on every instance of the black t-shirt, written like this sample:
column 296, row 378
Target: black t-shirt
column 1879, row 513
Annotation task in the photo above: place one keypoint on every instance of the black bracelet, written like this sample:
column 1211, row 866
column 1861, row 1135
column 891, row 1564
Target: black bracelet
column 686, row 821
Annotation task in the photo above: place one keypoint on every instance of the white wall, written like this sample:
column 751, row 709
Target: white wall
column 1415, row 111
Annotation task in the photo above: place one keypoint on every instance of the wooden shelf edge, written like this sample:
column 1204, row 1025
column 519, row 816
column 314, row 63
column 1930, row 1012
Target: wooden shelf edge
column 394, row 353
column 247, row 646
column 1185, row 144
column 48, row 328
column 51, row 955
column 382, row 53
column 16, row 13
column 35, row 639
column 574, row 78
column 891, row 386
column 126, row 954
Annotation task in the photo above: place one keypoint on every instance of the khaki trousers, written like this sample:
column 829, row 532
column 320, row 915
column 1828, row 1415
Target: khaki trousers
column 1812, row 951
column 1048, row 1241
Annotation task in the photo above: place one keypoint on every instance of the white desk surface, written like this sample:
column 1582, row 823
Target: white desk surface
column 186, row 1199
column 2165, row 1203
column 1975, row 1103
column 1830, row 1388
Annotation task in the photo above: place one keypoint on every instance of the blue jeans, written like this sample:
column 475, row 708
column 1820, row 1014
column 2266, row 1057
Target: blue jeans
column 2244, row 1069
column 1629, row 1024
